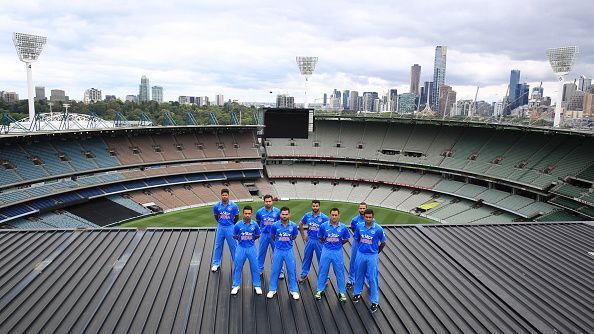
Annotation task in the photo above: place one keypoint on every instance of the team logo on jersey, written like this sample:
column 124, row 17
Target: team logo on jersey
column 319, row 220
column 372, row 232
column 251, row 228
column 229, row 208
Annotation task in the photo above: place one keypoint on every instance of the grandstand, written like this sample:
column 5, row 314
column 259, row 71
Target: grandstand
column 501, row 173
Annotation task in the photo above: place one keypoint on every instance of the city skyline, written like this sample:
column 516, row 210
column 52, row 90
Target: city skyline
column 243, row 56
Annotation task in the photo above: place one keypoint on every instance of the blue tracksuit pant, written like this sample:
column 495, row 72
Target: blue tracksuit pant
column 241, row 254
column 265, row 240
column 223, row 233
column 312, row 245
column 367, row 268
column 334, row 257
column 352, row 264
column 278, row 257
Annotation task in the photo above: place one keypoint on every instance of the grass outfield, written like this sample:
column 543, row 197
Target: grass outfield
column 202, row 216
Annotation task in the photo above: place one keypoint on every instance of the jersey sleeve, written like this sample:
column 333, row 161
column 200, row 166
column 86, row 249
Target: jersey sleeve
column 235, row 209
column 354, row 223
column 258, row 216
column 236, row 230
column 322, row 232
column 273, row 229
column 356, row 235
column 304, row 219
column 257, row 230
column 294, row 233
column 345, row 234
column 382, row 236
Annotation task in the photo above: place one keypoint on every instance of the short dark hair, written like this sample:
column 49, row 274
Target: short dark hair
column 285, row 208
column 335, row 209
column 368, row 211
column 362, row 203
column 225, row 191
column 315, row 201
column 267, row 196
column 247, row 207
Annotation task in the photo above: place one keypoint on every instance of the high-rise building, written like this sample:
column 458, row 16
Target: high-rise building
column 584, row 84
column 392, row 100
column 354, row 100
column 57, row 95
column 10, row 97
column 285, row 101
column 576, row 101
column 537, row 92
column 220, row 99
column 522, row 95
column 92, row 95
column 426, row 93
column 513, row 93
column 439, row 73
column 131, row 98
column 406, row 103
column 346, row 95
column 370, row 101
column 447, row 99
column 337, row 94
column 415, row 79
column 39, row 93
column 110, row 97
column 568, row 90
column 157, row 94
column 143, row 90
column 325, row 99
column 204, row 101
column 588, row 105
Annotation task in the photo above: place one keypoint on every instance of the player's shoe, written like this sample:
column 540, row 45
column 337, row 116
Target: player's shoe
column 318, row 295
column 342, row 297
column 234, row 290
column 270, row 294
column 350, row 285
column 258, row 290
column 214, row 268
column 373, row 308
column 295, row 295
column 281, row 275
column 356, row 298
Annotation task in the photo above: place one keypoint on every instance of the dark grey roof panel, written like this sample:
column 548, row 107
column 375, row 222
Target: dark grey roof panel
column 483, row 278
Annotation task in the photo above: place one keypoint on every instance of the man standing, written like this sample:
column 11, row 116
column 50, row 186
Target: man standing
column 371, row 242
column 226, row 214
column 266, row 216
column 283, row 232
column 359, row 219
column 332, row 235
column 313, row 220
column 246, row 233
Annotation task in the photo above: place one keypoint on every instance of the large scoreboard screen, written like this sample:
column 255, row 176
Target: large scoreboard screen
column 286, row 123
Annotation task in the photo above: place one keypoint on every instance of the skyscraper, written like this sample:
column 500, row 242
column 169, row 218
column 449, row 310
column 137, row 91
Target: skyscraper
column 39, row 93
column 415, row 79
column 439, row 73
column 568, row 91
column 354, row 100
column 143, row 90
column 392, row 101
column 285, row 101
column 369, row 101
column 157, row 93
column 346, row 94
column 447, row 99
column 426, row 92
column 58, row 95
column 584, row 84
column 512, row 96
column 220, row 99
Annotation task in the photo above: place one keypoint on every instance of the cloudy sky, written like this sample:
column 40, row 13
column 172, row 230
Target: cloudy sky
column 246, row 49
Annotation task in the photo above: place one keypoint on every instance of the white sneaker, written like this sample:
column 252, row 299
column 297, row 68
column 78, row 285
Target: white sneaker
column 214, row 268
column 270, row 294
column 281, row 276
column 258, row 290
column 235, row 290
column 295, row 295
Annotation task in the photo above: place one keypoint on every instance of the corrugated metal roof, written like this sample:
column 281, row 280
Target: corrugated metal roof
column 448, row 278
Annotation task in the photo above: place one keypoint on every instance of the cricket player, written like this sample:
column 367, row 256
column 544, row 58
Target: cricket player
column 246, row 232
column 332, row 235
column 226, row 214
column 283, row 232
column 372, row 240
column 313, row 220
column 266, row 216
column 359, row 219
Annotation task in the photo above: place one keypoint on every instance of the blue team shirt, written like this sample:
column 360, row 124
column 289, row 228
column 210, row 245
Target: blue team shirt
column 356, row 220
column 314, row 223
column 225, row 213
column 333, row 236
column 267, row 218
column 283, row 239
column 246, row 233
column 369, row 238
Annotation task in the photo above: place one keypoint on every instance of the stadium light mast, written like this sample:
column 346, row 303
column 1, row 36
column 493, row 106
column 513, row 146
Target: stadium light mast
column 29, row 48
column 307, row 65
column 561, row 60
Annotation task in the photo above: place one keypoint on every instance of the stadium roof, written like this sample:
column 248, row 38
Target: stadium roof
column 440, row 278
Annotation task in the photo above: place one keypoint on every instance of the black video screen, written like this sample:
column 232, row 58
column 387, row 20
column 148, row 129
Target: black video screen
column 286, row 123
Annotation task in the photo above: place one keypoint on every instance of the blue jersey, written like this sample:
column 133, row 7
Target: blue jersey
column 266, row 218
column 369, row 238
column 356, row 220
column 246, row 233
column 284, row 235
column 313, row 223
column 333, row 235
column 226, row 213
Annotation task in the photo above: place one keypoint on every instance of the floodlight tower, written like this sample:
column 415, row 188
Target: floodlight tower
column 29, row 48
column 561, row 60
column 306, row 66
